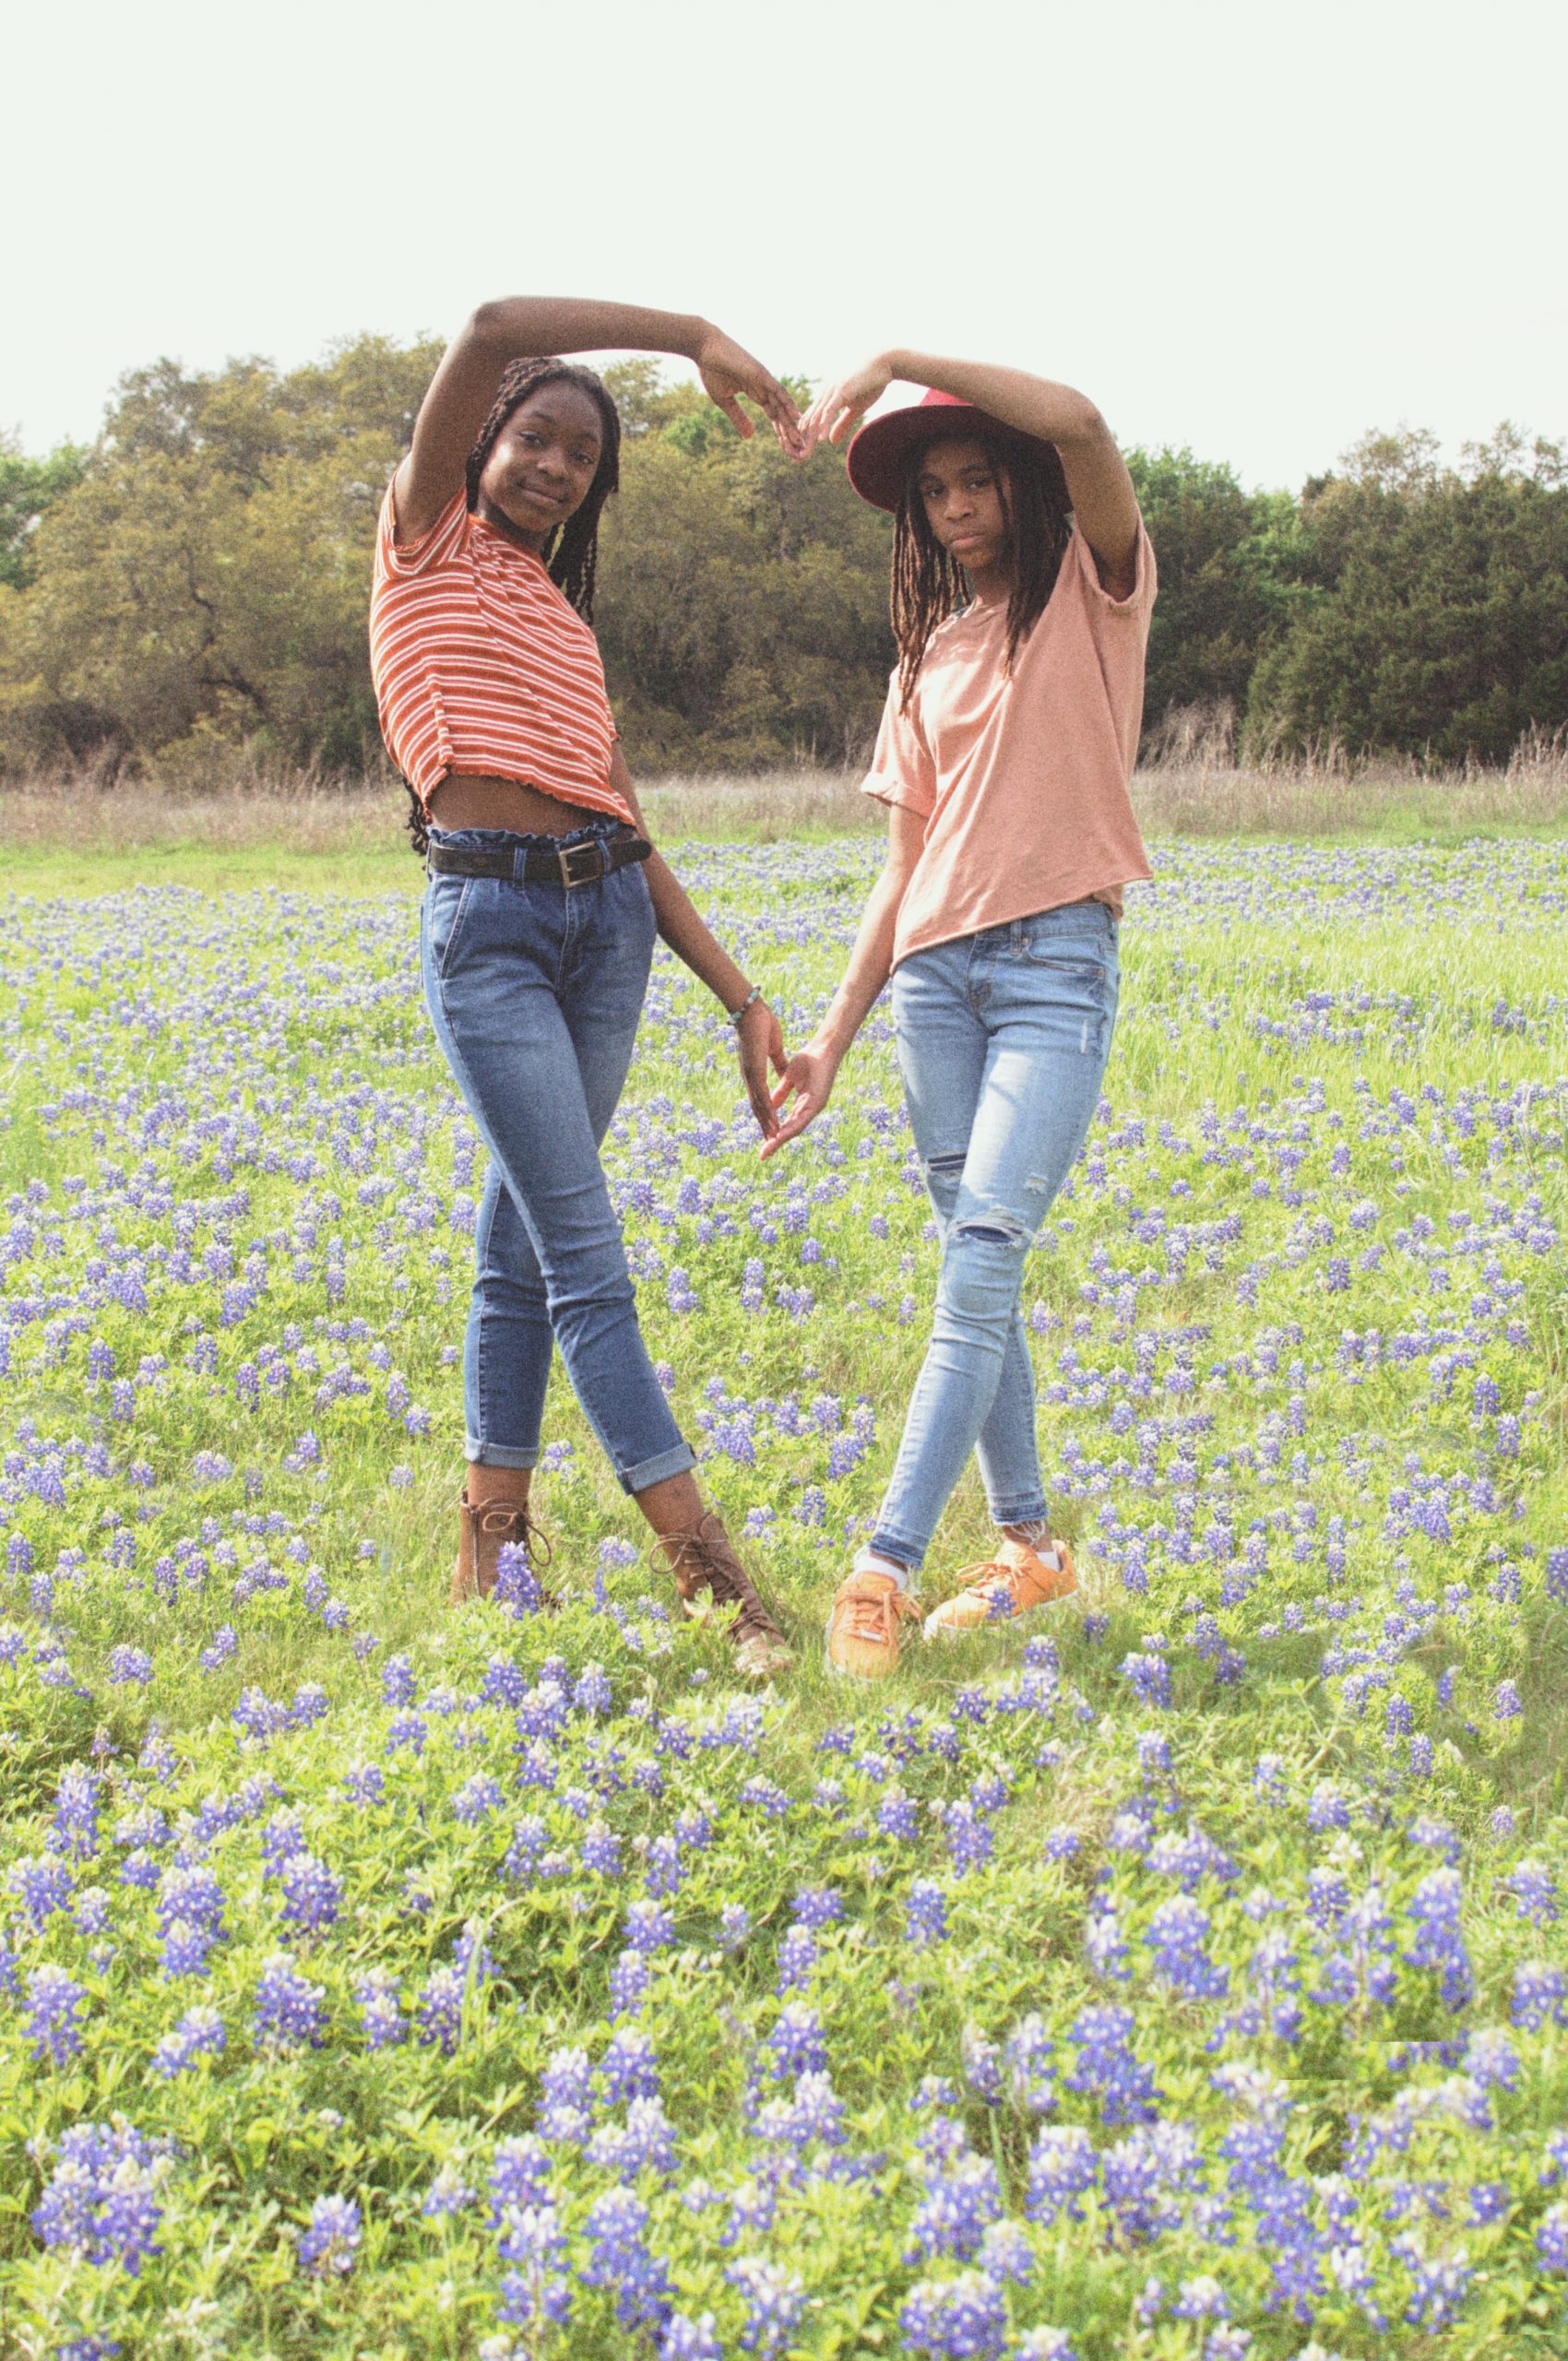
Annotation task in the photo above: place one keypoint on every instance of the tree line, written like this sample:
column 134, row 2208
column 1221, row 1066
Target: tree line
column 197, row 580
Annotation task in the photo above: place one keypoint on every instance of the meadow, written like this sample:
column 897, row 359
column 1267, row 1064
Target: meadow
column 1181, row 1976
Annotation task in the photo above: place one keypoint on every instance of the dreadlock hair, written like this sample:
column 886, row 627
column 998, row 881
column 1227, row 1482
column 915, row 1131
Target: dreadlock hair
column 571, row 553
column 929, row 584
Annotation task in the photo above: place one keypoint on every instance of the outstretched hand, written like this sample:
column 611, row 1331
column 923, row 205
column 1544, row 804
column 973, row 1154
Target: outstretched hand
column 808, row 1080
column 760, row 1043
column 839, row 408
column 727, row 370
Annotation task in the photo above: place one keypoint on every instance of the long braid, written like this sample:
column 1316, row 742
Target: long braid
column 929, row 585
column 571, row 553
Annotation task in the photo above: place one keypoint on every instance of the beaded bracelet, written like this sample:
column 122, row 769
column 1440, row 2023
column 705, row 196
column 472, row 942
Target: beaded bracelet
column 735, row 1015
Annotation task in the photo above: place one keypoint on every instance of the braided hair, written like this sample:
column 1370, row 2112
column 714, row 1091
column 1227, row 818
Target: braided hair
column 571, row 553
column 929, row 584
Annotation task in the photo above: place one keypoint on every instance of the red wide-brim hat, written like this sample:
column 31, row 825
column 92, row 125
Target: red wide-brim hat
column 878, row 458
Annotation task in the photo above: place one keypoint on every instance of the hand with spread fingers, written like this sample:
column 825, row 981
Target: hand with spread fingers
column 839, row 408
column 727, row 370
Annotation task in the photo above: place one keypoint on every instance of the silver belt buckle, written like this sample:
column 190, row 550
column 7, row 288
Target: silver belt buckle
column 590, row 852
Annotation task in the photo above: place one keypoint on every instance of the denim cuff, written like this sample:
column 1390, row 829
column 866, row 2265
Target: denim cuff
column 498, row 1454
column 653, row 1471
column 1029, row 1508
column 888, row 1543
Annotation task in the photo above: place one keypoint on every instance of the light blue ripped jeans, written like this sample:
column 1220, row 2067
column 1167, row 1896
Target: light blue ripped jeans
column 1003, row 1039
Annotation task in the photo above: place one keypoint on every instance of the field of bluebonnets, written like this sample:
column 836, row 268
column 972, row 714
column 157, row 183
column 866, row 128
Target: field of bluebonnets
column 1184, row 1976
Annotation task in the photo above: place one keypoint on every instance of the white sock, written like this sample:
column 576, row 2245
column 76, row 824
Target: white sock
column 1045, row 1549
column 869, row 1561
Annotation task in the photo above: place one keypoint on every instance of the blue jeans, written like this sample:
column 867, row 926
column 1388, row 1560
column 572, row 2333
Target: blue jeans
column 1003, row 1039
column 535, row 991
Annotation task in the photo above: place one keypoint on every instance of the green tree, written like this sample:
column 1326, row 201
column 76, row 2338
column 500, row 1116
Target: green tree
column 1228, row 561
column 204, row 579
column 28, row 490
column 1435, row 619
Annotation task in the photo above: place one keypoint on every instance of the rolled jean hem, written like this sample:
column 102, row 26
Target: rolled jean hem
column 675, row 1462
column 908, row 1554
column 1030, row 1512
column 498, row 1454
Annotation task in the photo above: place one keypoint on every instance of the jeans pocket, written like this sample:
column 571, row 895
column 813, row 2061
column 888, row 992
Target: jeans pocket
column 446, row 897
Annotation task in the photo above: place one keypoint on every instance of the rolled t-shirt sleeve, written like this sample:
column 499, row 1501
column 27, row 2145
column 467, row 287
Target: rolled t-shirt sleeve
column 435, row 546
column 901, row 769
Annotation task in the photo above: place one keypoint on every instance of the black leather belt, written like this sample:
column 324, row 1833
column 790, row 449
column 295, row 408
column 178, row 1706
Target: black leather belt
column 575, row 864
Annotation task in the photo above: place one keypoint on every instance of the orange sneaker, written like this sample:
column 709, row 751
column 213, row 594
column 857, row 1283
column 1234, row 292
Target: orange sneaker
column 1012, row 1583
column 863, row 1630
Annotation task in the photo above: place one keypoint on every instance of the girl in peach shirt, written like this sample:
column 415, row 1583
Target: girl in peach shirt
column 1022, row 585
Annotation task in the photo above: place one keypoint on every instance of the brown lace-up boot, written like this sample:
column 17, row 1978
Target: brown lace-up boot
column 484, row 1530
column 704, row 1561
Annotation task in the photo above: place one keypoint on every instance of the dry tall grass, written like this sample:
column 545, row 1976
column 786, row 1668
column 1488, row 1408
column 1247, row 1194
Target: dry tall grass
column 1194, row 785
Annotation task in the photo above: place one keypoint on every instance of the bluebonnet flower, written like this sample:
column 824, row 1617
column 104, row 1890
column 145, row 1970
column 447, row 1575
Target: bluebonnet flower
column 312, row 1897
column 1176, row 1934
column 649, row 1927
column 200, row 2033
column 448, row 2194
column 776, row 2304
column 629, row 2068
column 519, row 2175
column 1108, row 2067
column 1028, row 2073
column 1063, row 2167
column 566, row 2106
column 290, row 2013
column 76, row 1801
column 535, row 2291
column 1541, row 1996
column 381, row 2015
column 797, row 1957
column 956, row 2208
column 54, row 2005
column 1551, row 2238
column 797, row 2041
column 331, row 2242
column 954, row 2319
column 926, row 1920
column 1044, row 2344
column 1535, row 1891
column 42, row 1886
column 101, row 2200
column 734, row 1925
column 438, row 2009
column 628, row 1983
column 1439, row 1943
column 646, row 2141
column 620, row 2259
column 688, row 2340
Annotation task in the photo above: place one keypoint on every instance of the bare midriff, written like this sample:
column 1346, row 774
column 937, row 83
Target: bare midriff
column 463, row 801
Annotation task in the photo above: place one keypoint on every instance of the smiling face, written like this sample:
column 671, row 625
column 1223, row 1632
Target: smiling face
column 964, row 494
column 544, row 460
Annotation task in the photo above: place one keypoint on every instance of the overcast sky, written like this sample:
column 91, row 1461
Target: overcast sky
column 1258, row 229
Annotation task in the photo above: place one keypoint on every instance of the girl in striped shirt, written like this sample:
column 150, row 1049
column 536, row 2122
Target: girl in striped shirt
column 544, row 897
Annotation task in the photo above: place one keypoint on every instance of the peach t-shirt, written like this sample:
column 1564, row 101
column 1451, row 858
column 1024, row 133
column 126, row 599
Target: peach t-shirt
column 1021, row 778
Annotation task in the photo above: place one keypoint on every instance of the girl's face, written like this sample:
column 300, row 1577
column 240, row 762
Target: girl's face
column 545, row 457
column 963, row 492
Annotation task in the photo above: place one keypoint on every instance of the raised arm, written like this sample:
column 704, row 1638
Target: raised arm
column 1098, row 482
column 466, row 383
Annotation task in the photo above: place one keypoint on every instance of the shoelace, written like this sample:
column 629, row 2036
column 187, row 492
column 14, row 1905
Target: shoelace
column 702, row 1560
column 495, row 1515
column 986, row 1575
column 873, row 1615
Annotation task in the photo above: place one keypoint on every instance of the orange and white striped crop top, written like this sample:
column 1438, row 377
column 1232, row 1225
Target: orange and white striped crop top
column 481, row 667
